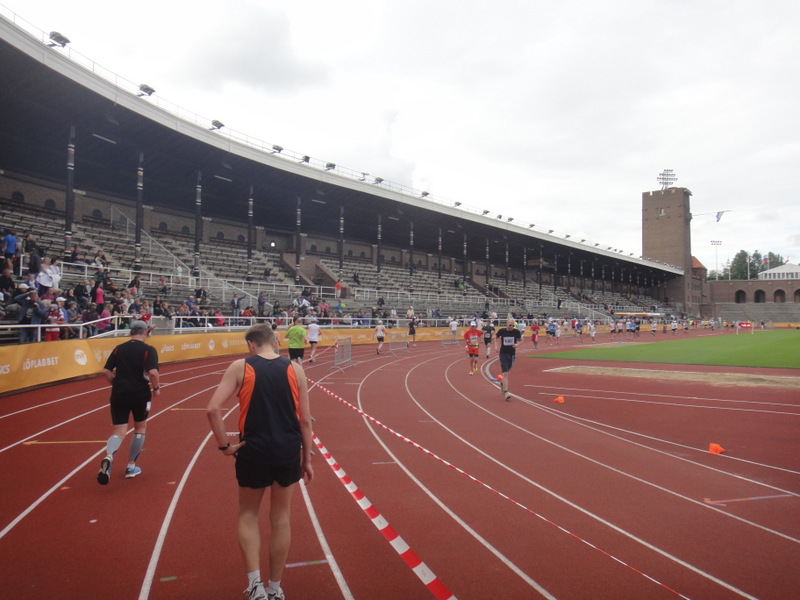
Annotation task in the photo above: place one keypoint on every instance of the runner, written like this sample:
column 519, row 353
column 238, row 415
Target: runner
column 473, row 338
column 508, row 338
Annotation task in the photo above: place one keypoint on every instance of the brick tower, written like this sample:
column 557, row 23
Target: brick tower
column 667, row 237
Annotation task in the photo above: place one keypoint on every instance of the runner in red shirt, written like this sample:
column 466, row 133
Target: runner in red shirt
column 535, row 334
column 472, row 337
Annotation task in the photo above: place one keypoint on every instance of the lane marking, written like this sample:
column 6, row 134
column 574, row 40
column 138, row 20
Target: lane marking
column 307, row 563
column 323, row 542
column 725, row 502
column 39, row 443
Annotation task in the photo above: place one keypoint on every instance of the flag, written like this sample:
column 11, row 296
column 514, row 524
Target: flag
column 747, row 260
column 719, row 215
column 766, row 259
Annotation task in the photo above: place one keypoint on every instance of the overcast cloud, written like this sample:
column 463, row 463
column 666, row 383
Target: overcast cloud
column 559, row 114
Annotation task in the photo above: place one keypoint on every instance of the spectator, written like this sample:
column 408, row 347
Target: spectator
column 32, row 312
column 74, row 319
column 89, row 315
column 7, row 285
column 55, row 318
column 10, row 248
column 81, row 293
column 105, row 324
column 236, row 307
column 34, row 262
column 135, row 286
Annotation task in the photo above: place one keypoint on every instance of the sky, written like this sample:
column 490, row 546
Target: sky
column 556, row 113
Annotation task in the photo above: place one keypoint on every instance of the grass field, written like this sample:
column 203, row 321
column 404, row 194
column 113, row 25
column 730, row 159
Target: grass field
column 777, row 349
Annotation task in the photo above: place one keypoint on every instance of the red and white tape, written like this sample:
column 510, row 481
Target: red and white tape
column 420, row 569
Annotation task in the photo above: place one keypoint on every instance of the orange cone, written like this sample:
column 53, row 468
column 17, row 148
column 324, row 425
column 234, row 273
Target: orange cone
column 715, row 449
column 560, row 400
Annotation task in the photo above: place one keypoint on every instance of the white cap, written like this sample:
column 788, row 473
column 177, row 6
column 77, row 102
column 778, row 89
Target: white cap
column 473, row 324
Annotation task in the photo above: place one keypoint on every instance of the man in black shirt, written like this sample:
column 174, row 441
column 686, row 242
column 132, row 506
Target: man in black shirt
column 132, row 371
column 508, row 339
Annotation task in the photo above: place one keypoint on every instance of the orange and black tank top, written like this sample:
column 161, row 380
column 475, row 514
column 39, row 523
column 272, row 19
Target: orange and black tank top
column 269, row 403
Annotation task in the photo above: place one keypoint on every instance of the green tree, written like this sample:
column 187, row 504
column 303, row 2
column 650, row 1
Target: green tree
column 746, row 264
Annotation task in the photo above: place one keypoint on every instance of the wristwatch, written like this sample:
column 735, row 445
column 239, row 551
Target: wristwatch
column 223, row 448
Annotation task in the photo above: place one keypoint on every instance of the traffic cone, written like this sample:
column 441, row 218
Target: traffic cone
column 715, row 449
column 560, row 400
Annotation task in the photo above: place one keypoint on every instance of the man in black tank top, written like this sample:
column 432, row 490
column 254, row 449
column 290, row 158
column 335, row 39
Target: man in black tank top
column 274, row 448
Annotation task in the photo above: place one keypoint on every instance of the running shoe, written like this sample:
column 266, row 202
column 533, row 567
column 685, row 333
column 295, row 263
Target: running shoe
column 257, row 592
column 275, row 595
column 132, row 472
column 105, row 471
column 507, row 395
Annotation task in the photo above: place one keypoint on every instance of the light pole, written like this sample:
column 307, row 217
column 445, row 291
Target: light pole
column 716, row 244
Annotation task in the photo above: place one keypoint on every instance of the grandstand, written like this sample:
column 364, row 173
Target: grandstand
column 215, row 208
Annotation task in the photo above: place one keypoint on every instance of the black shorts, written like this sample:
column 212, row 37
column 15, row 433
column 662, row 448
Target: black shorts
column 123, row 407
column 256, row 475
column 296, row 353
column 506, row 361
column 380, row 340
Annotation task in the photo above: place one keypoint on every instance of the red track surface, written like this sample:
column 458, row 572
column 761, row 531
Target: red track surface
column 612, row 494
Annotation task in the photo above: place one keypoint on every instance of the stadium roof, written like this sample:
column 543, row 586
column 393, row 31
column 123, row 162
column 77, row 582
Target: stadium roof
column 46, row 92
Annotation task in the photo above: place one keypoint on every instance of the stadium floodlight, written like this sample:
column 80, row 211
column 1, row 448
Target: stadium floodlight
column 378, row 180
column 583, row 240
column 597, row 244
column 330, row 166
column 549, row 231
column 277, row 149
column 499, row 216
column 305, row 159
column 424, row 195
column 216, row 125
column 532, row 225
column 486, row 212
column 566, row 236
column 510, row 219
column 56, row 39
column 145, row 90
column 457, row 204
column 363, row 176
column 666, row 178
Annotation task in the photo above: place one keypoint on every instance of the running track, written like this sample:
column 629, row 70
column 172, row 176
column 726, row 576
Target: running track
column 612, row 494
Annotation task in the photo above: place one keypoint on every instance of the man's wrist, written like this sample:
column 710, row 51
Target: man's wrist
column 225, row 447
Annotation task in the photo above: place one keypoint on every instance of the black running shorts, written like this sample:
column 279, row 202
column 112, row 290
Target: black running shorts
column 506, row 362
column 123, row 407
column 258, row 475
